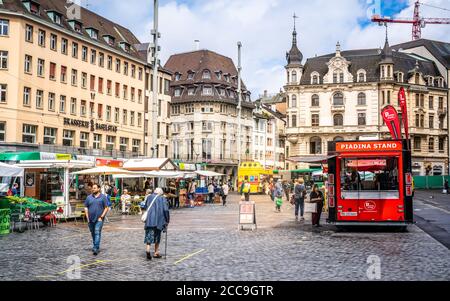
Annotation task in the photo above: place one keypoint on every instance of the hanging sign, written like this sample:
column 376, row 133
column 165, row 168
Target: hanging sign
column 390, row 117
column 403, row 108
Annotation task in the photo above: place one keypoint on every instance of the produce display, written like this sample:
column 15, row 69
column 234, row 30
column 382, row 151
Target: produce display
column 20, row 204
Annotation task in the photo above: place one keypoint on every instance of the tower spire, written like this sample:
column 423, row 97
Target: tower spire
column 294, row 33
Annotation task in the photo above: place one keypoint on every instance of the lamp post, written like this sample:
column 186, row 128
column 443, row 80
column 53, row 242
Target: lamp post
column 153, row 50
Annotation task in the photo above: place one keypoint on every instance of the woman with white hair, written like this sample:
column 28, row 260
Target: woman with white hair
column 157, row 220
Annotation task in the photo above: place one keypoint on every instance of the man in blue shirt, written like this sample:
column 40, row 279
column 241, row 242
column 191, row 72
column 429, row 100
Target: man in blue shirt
column 96, row 208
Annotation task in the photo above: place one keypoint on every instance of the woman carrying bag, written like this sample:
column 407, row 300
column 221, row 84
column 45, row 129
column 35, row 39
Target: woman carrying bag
column 278, row 195
column 156, row 219
column 316, row 196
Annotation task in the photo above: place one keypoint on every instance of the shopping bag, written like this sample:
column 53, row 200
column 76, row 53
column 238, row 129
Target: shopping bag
column 279, row 201
column 310, row 207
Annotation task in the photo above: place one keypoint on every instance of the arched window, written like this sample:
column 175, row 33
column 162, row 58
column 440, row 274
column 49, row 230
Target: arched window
column 315, row 145
column 315, row 101
column 338, row 99
column 431, row 145
column 338, row 120
column 361, row 76
column 206, row 74
column 293, row 101
column 361, row 99
column 338, row 138
column 315, row 80
column 294, row 76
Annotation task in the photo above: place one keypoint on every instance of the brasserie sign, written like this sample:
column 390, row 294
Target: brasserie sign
column 92, row 125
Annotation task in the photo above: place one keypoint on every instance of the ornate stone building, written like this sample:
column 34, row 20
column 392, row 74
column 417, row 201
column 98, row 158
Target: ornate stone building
column 339, row 96
column 204, row 114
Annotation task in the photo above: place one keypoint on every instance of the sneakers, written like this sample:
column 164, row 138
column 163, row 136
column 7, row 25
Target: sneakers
column 302, row 218
column 95, row 252
column 149, row 256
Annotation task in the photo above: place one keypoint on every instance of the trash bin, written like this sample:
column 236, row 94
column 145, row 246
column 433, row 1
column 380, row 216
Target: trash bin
column 5, row 217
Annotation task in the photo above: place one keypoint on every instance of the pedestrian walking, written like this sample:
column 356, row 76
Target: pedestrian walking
column 157, row 220
column 96, row 207
column 316, row 196
column 211, row 192
column 191, row 192
column 245, row 190
column 446, row 186
column 278, row 195
column 125, row 199
column 272, row 190
column 225, row 190
column 299, row 197
column 286, row 189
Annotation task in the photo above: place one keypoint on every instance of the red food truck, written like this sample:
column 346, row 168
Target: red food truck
column 370, row 183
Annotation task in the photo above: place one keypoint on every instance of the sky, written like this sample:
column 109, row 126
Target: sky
column 265, row 28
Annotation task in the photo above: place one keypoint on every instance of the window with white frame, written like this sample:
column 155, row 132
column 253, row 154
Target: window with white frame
column 361, row 118
column 207, row 126
column 207, row 90
column 29, row 33
column 361, row 99
column 117, row 65
column 62, row 104
column 51, row 101
column 132, row 116
column 124, row 117
column 123, row 144
column 64, row 44
column 53, row 42
column 315, row 100
column 50, row 135
column 97, row 141
column 84, row 53
column 93, row 56
column 361, row 76
column 74, row 77
column 175, row 109
column 26, row 96
column 177, row 92
column 3, row 93
column 110, row 143
column 28, row 63
column 41, row 38
column 206, row 74
column 84, row 139
column 40, row 67
column 74, row 50
column 108, row 113
column 189, row 108
column 338, row 120
column 207, row 108
column 294, row 101
column 294, row 76
column 139, row 119
column 125, row 68
column 29, row 133
column 3, row 59
column 116, row 115
column 39, row 99
column 191, row 91
column 4, row 27
column 338, row 99
column 2, row 129
column 136, row 146
column 73, row 106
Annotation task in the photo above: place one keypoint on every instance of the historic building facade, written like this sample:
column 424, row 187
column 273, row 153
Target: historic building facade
column 71, row 85
column 204, row 113
column 340, row 96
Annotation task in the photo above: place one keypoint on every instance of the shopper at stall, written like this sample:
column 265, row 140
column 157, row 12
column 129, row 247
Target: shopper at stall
column 211, row 192
column 191, row 192
column 158, row 218
column 96, row 207
column 15, row 189
column 125, row 199
column 316, row 196
column 299, row 196
column 225, row 189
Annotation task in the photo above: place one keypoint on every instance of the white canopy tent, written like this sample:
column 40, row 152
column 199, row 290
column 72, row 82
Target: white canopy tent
column 102, row 170
column 8, row 170
column 207, row 173
column 152, row 164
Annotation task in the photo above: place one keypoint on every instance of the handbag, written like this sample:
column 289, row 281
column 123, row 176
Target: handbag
column 145, row 214
column 292, row 201
column 310, row 207
column 279, row 201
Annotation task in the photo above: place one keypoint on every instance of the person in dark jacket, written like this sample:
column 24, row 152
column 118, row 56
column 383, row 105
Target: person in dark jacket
column 316, row 196
column 158, row 219
column 299, row 194
column 446, row 186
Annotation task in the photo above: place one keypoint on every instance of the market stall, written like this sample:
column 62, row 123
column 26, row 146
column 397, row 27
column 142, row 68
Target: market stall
column 8, row 175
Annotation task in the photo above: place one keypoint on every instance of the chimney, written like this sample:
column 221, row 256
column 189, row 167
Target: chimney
column 197, row 44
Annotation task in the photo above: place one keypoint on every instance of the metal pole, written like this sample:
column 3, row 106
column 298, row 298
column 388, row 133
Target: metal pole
column 154, row 62
column 239, row 107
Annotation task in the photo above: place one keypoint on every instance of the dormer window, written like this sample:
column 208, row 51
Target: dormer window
column 32, row 6
column 227, row 77
column 191, row 75
column 55, row 17
column 92, row 32
column 361, row 76
column 206, row 74
column 399, row 77
column 125, row 46
column 219, row 75
column 109, row 39
column 177, row 76
column 191, row 91
column 76, row 25
column 314, row 78
column 177, row 92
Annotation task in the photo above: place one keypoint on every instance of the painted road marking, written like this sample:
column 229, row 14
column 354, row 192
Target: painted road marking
column 189, row 256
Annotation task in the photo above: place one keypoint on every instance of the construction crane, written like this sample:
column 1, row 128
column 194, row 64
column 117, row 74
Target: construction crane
column 417, row 21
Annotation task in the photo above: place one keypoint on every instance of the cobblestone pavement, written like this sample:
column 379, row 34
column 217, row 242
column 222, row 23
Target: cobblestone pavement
column 204, row 243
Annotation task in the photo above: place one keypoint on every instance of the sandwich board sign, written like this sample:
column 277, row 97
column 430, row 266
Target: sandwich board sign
column 247, row 215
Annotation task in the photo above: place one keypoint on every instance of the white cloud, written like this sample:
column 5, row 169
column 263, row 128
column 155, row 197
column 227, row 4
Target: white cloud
column 265, row 29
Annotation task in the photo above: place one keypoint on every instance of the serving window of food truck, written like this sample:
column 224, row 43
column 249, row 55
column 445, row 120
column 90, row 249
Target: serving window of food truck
column 370, row 182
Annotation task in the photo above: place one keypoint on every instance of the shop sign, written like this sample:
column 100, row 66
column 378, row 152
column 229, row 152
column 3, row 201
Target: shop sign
column 29, row 179
column 369, row 146
column 53, row 156
column 109, row 162
column 5, row 216
column 247, row 214
column 92, row 125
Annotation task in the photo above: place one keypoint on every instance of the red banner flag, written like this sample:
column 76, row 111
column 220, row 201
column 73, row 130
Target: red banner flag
column 403, row 108
column 390, row 117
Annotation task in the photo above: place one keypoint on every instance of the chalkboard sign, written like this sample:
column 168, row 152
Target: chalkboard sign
column 247, row 215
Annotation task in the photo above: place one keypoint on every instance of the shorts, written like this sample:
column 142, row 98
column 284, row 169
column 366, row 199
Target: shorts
column 152, row 236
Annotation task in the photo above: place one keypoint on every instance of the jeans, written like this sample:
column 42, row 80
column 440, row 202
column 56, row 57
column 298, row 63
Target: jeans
column 224, row 200
column 299, row 204
column 96, row 232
